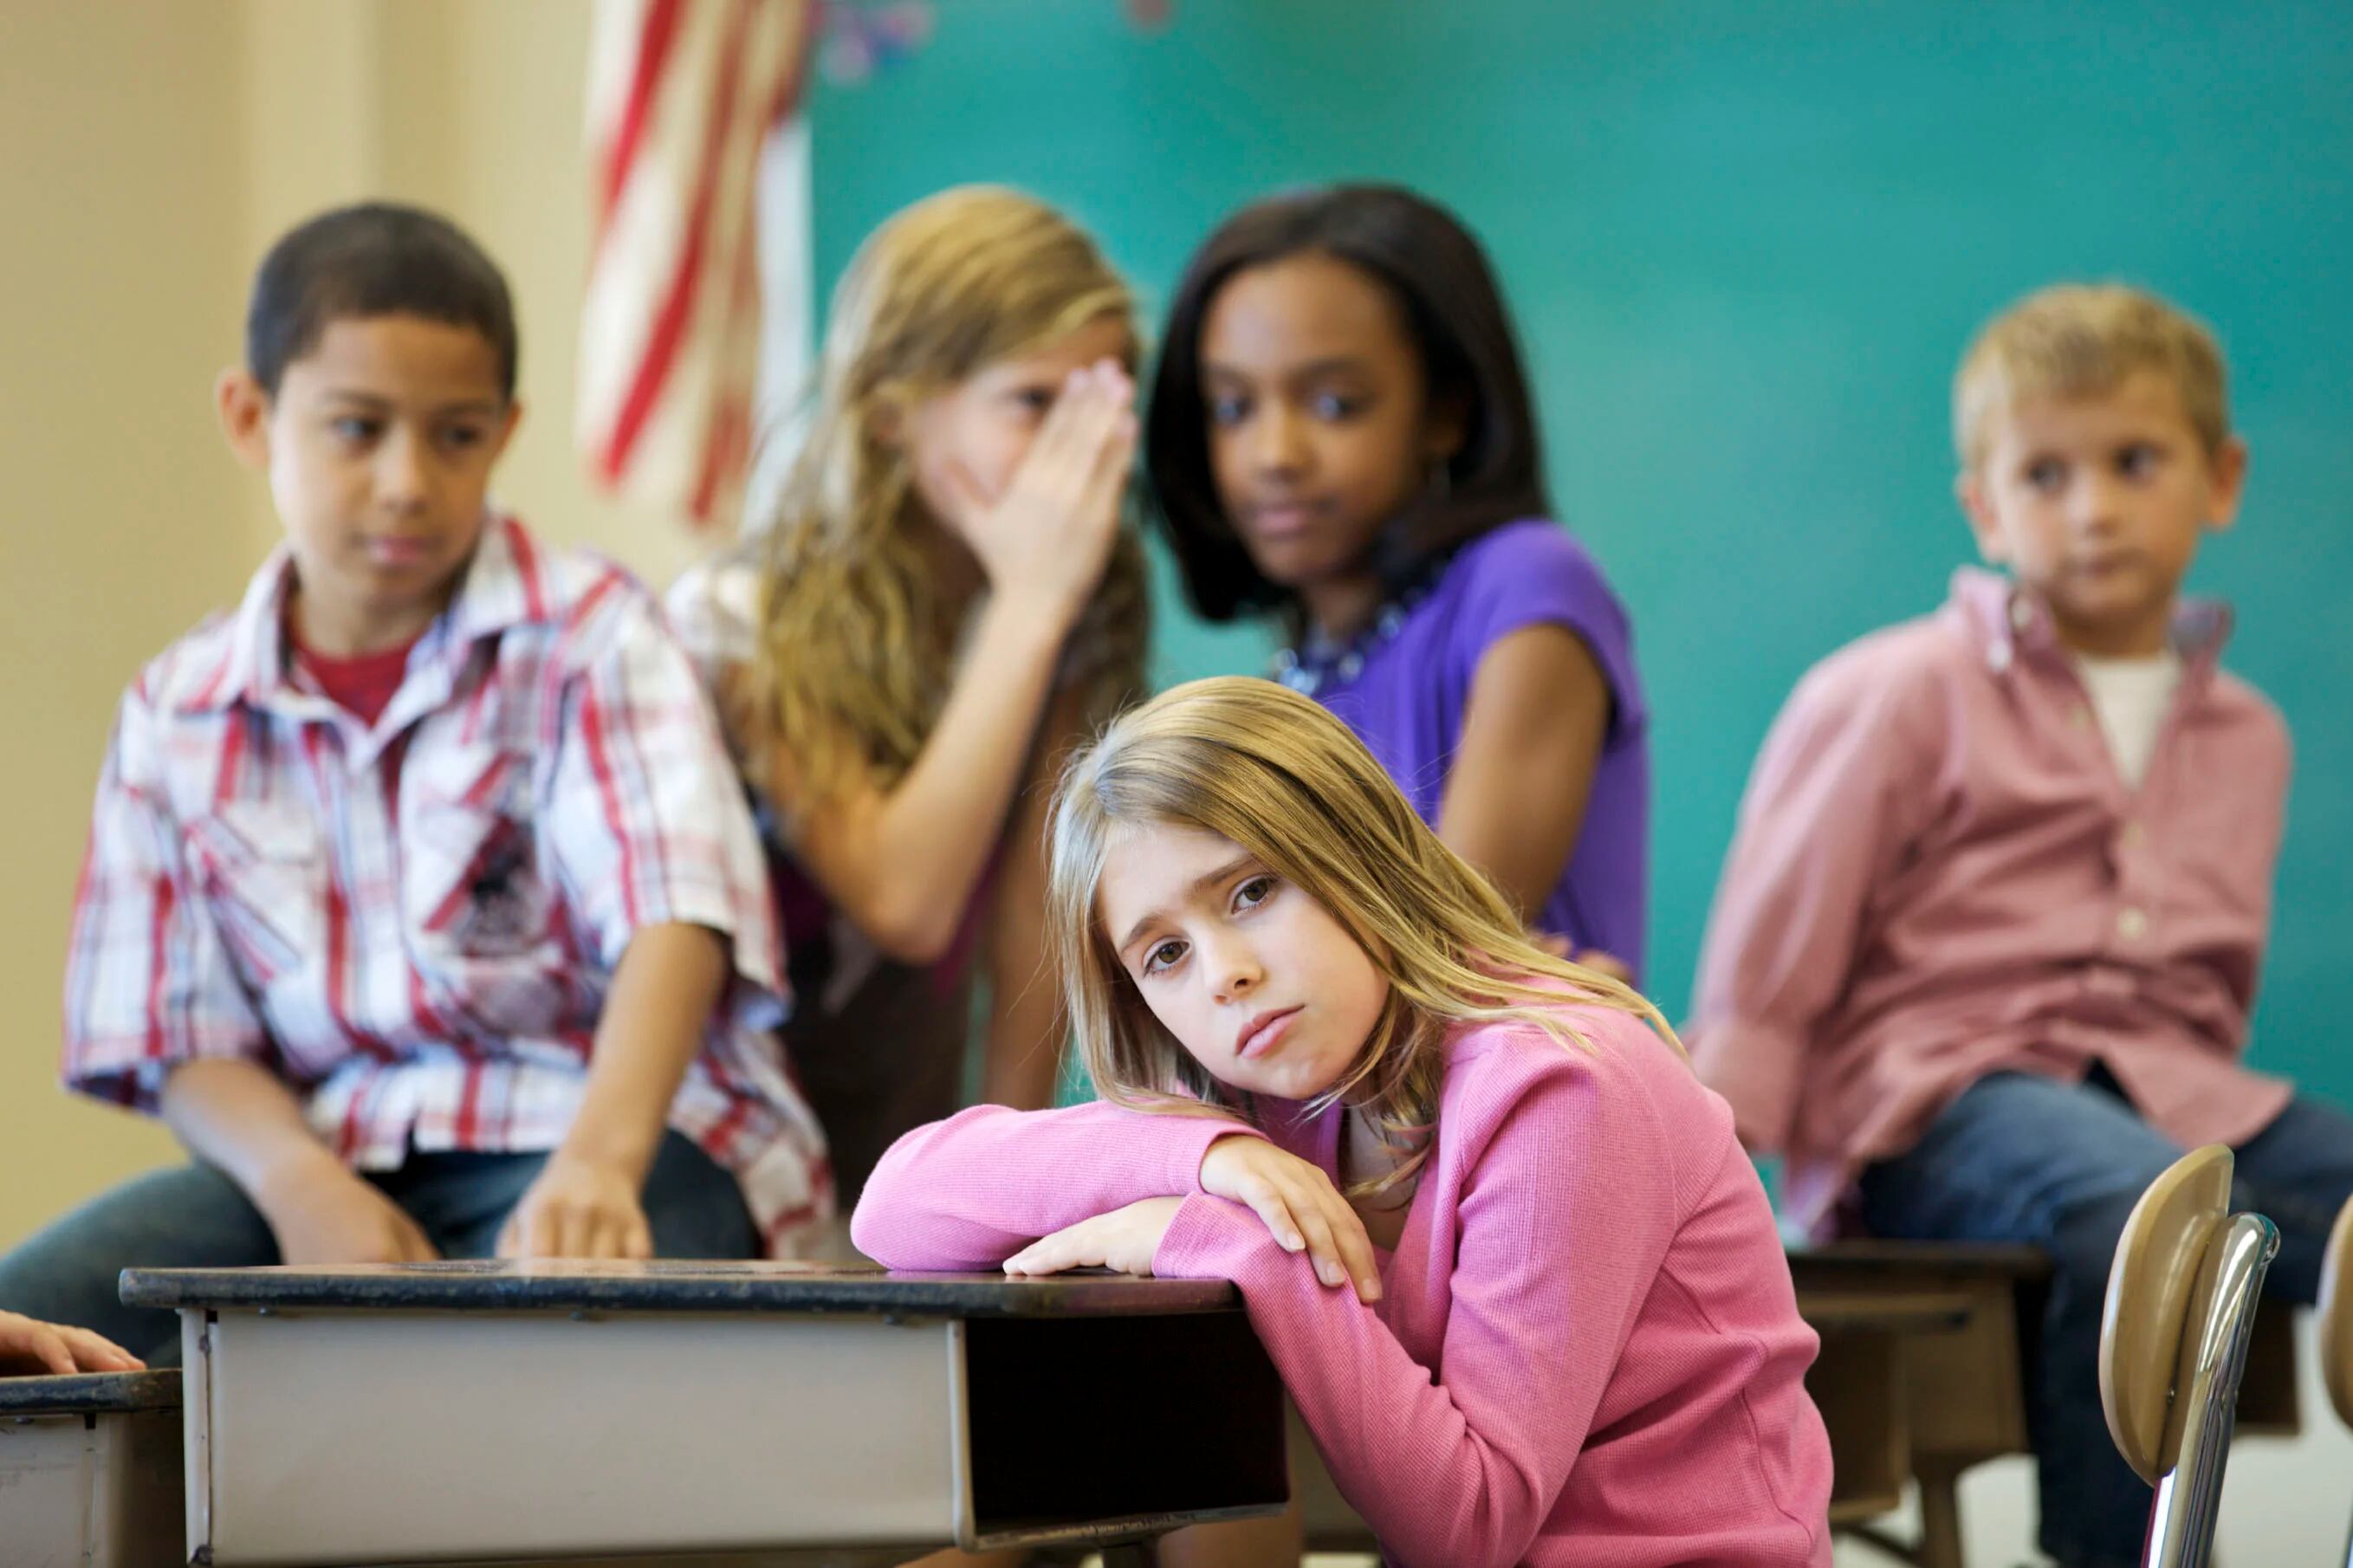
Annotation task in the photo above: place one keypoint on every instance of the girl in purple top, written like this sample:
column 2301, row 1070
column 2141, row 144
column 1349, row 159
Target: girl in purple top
column 1340, row 432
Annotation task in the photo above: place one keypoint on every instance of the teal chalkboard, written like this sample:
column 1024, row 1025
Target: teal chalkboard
column 1746, row 242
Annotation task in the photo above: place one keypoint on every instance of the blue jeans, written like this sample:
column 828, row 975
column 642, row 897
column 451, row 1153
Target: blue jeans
column 192, row 1217
column 2021, row 1158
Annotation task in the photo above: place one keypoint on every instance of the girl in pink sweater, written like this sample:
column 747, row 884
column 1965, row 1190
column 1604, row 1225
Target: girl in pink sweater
column 1503, row 1249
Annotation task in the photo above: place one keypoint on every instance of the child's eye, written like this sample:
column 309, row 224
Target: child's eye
column 2138, row 460
column 357, row 428
column 1162, row 956
column 1033, row 401
column 1228, row 410
column 1254, row 892
column 2046, row 474
column 1335, row 406
column 463, row 435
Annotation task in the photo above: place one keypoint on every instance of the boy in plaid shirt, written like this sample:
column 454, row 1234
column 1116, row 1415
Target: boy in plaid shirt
column 421, row 901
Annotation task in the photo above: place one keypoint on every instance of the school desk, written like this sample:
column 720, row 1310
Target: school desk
column 90, row 1469
column 505, row 1411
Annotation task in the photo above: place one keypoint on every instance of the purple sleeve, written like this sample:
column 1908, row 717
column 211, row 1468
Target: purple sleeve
column 1535, row 573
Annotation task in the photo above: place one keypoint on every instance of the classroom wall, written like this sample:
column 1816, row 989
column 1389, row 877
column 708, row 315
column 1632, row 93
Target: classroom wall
column 1745, row 242
column 152, row 151
column 1745, row 245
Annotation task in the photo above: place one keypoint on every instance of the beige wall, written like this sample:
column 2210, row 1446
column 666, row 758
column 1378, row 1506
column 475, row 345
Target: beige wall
column 148, row 152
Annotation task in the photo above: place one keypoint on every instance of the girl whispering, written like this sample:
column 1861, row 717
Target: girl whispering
column 944, row 601
column 1340, row 432
column 1510, row 1260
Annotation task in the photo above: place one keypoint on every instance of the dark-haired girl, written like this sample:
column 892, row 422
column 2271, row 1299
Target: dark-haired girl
column 1341, row 434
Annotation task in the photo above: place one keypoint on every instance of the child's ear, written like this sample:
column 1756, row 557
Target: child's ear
column 507, row 423
column 1968, row 488
column 2226, row 482
column 1447, row 427
column 244, row 410
column 888, row 418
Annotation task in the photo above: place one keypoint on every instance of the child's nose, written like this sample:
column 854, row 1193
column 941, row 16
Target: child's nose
column 2096, row 499
column 1278, row 440
column 402, row 478
column 1236, row 969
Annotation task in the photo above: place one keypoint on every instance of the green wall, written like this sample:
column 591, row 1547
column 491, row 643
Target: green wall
column 1745, row 244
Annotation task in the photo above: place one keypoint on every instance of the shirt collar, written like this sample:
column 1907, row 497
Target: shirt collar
column 2008, row 621
column 501, row 588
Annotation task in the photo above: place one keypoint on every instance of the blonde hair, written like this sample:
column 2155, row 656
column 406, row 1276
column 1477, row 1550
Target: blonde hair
column 2078, row 340
column 858, row 637
column 1267, row 768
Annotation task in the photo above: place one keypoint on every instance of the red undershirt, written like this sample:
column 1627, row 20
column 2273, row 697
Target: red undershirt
column 362, row 684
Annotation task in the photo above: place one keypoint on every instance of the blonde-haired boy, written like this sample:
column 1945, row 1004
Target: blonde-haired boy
column 1982, row 957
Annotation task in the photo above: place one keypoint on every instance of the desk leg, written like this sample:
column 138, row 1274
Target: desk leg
column 1940, row 1515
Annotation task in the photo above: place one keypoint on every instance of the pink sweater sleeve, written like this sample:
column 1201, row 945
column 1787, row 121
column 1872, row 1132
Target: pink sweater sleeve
column 970, row 1192
column 1563, row 1219
column 1824, row 814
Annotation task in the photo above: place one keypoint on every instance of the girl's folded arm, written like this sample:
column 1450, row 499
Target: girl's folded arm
column 969, row 1192
column 1556, row 1253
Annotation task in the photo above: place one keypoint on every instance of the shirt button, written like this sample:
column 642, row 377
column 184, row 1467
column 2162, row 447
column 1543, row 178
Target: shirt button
column 2131, row 923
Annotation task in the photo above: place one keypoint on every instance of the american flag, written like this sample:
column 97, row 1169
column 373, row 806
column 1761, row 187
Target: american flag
column 683, row 97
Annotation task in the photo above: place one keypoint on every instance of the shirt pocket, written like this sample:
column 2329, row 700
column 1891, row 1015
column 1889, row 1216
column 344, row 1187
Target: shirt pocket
column 262, row 874
column 472, row 879
column 487, row 930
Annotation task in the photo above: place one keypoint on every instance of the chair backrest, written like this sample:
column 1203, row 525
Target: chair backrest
column 2336, row 1315
column 2153, row 1287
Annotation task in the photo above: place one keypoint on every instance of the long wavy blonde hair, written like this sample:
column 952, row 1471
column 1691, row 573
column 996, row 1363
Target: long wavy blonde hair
column 859, row 635
column 1267, row 768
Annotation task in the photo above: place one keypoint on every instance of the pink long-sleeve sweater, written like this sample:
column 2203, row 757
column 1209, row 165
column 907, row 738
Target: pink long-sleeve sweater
column 1587, row 1351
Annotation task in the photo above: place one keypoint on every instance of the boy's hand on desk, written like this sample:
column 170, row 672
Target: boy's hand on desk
column 328, row 1214
column 1303, row 1210
column 1123, row 1239
column 579, row 1207
column 31, row 1345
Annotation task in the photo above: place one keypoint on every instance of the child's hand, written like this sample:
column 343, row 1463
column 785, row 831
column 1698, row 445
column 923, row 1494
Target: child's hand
column 1302, row 1208
column 1124, row 1239
column 327, row 1215
column 1591, row 958
column 579, row 1207
column 1049, row 534
column 29, row 1345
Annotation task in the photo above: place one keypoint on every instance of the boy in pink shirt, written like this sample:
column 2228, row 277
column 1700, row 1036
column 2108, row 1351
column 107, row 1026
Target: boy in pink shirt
column 1986, row 944
column 1504, row 1249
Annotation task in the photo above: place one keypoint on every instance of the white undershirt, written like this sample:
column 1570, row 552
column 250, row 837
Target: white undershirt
column 2130, row 697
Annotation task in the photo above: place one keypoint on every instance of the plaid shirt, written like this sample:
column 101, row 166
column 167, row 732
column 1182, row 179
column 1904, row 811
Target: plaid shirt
column 414, row 923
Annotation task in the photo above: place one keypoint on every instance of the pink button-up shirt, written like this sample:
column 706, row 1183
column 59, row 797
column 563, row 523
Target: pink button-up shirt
column 1939, row 874
column 413, row 922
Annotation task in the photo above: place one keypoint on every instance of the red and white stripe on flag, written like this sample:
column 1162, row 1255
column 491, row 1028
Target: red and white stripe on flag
column 682, row 94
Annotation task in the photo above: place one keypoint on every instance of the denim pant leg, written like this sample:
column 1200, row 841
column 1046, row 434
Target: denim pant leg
column 2020, row 1158
column 461, row 1200
column 188, row 1217
column 2298, row 1173
column 695, row 1206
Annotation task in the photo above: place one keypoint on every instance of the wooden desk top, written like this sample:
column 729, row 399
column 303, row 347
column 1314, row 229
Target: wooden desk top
column 1892, row 1262
column 1831, row 1313
column 89, row 1393
column 665, row 1286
